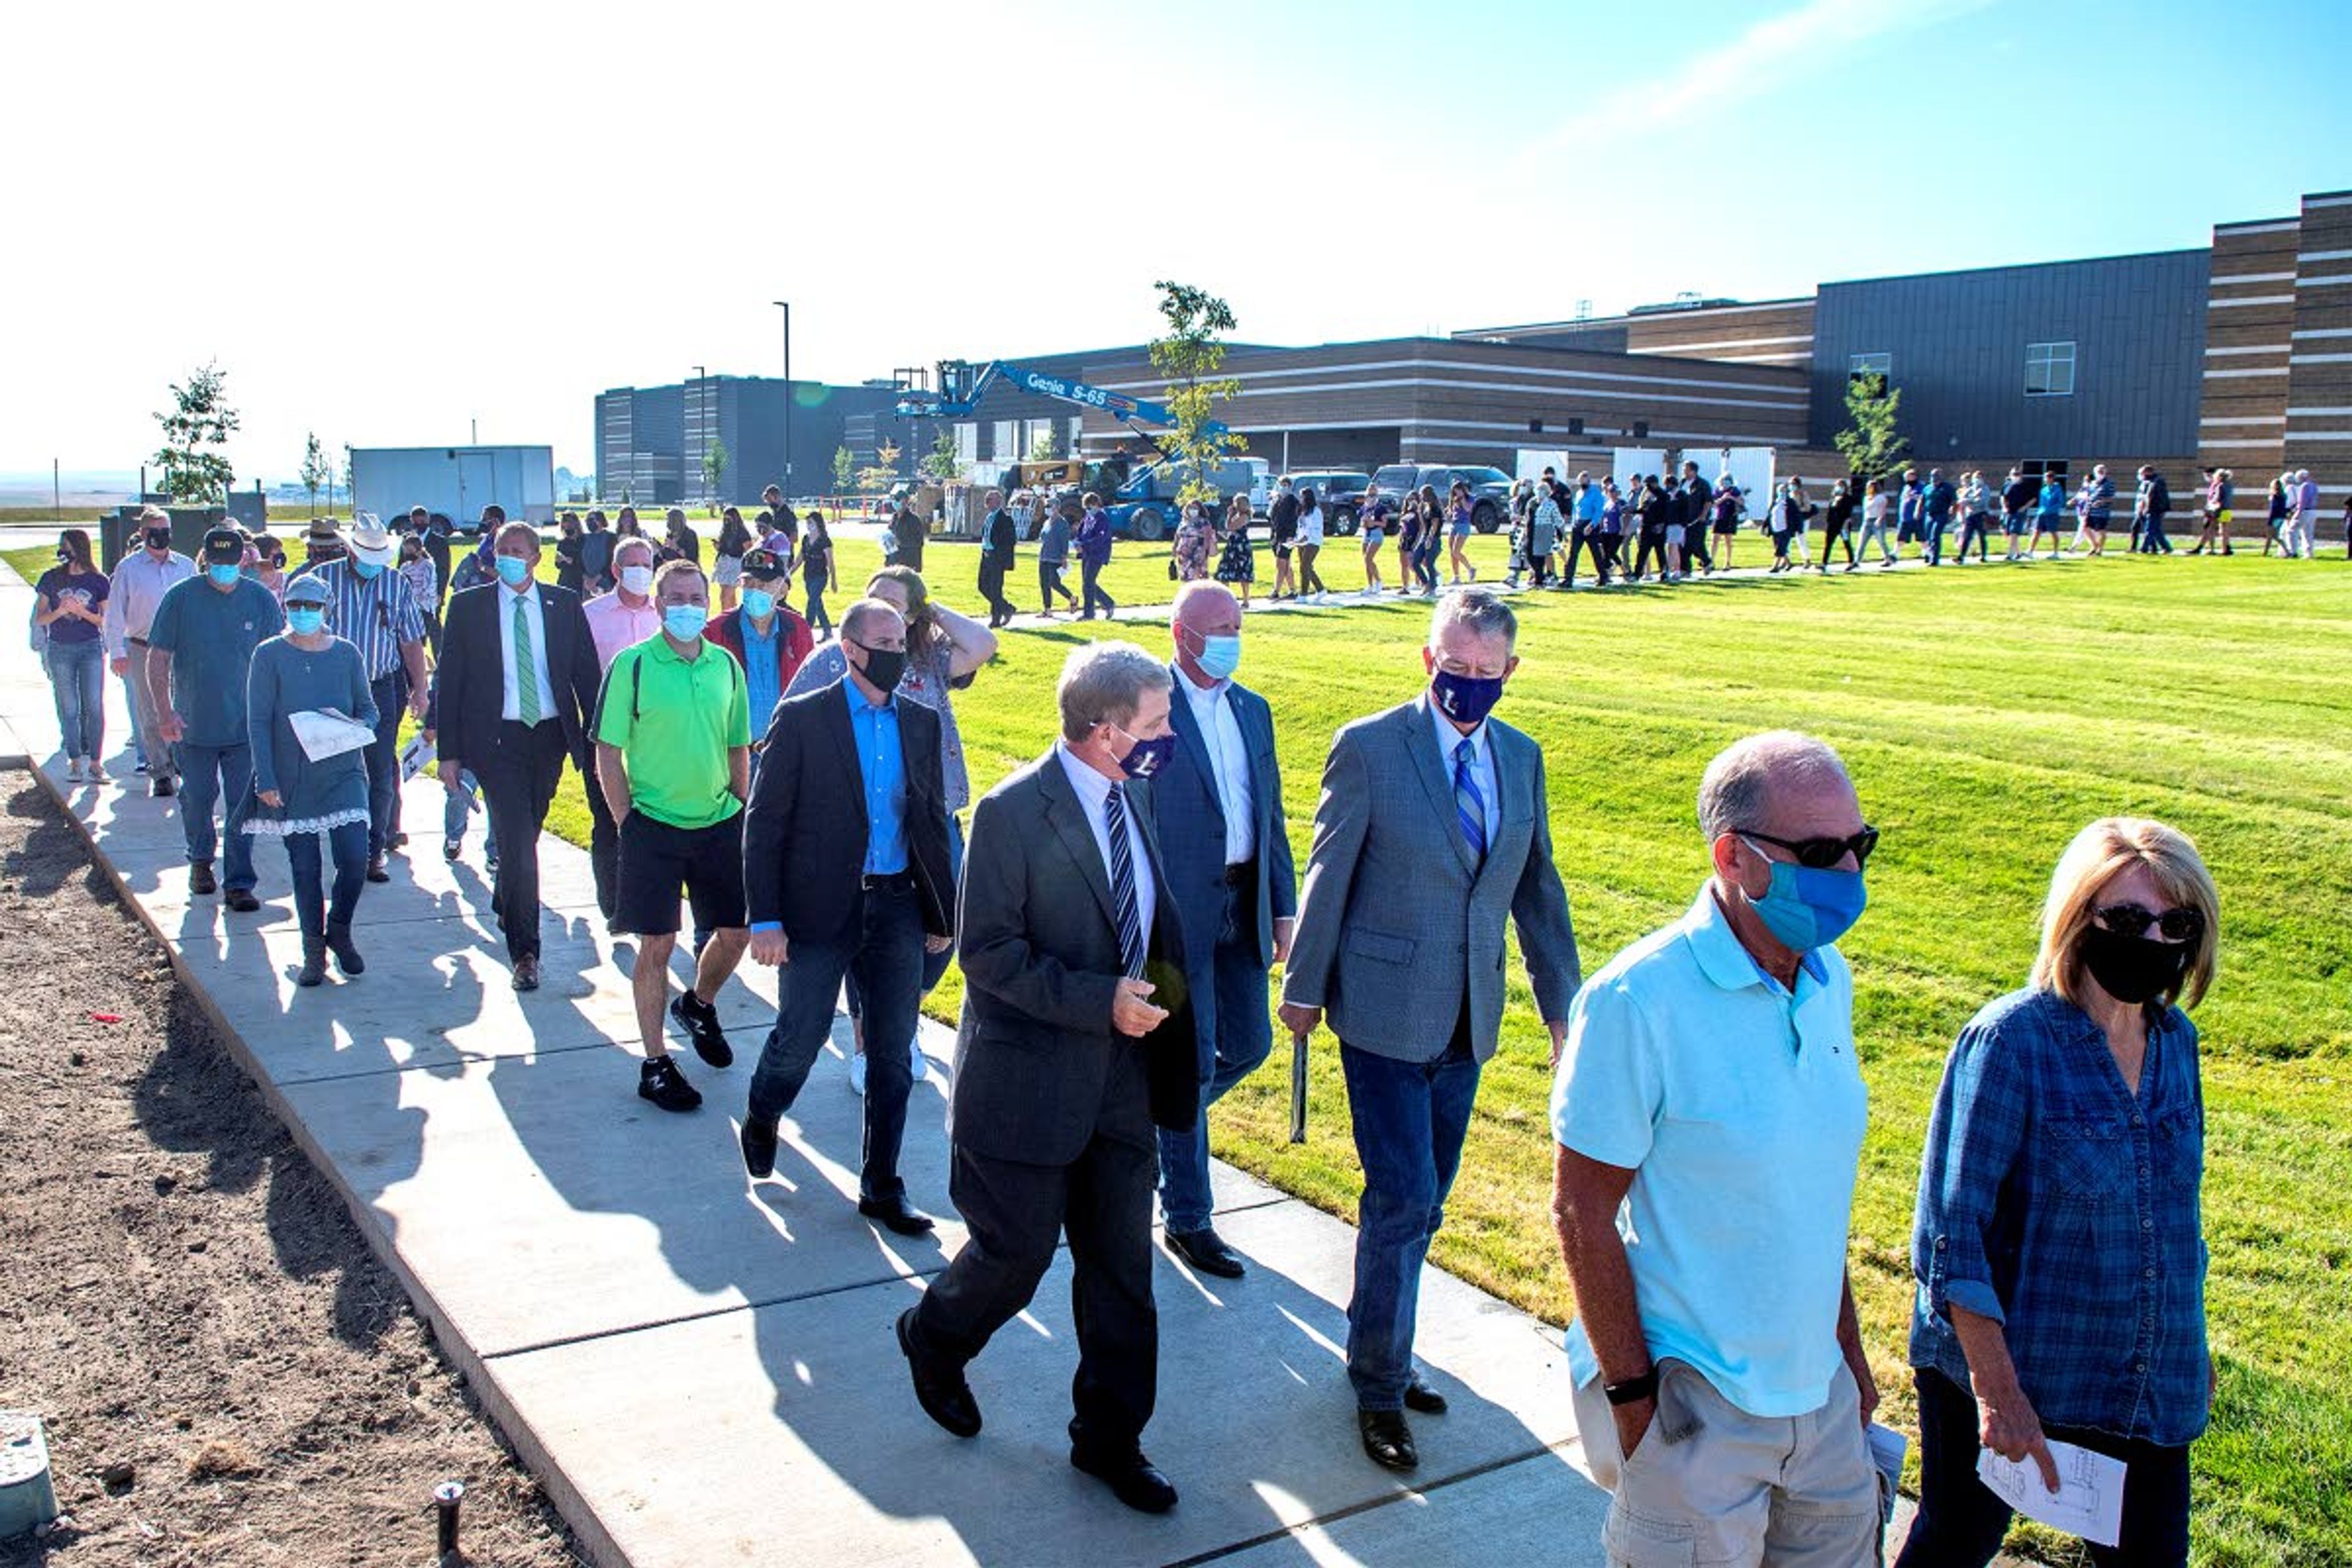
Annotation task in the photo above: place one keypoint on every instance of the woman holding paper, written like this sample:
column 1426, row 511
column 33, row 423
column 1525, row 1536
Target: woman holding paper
column 2059, row 1250
column 308, row 716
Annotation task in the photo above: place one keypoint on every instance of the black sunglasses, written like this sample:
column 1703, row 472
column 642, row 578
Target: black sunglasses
column 1823, row 854
column 2131, row 920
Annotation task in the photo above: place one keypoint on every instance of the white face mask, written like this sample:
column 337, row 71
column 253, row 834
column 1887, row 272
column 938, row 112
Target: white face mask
column 637, row 579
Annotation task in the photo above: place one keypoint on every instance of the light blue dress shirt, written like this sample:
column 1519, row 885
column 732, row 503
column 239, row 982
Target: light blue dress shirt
column 883, row 763
column 1482, row 762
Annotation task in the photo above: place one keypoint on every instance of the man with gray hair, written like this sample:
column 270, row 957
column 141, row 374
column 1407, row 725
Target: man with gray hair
column 1432, row 827
column 1708, row 1114
column 1076, row 1044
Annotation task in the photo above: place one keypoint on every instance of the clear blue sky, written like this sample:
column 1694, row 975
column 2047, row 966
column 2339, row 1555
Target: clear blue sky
column 433, row 234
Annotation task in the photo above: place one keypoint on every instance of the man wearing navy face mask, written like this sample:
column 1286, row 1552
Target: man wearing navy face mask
column 1432, row 829
column 1708, row 1114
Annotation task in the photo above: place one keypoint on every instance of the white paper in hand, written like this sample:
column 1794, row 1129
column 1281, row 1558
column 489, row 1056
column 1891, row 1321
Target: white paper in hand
column 2089, row 1501
column 415, row 757
column 324, row 733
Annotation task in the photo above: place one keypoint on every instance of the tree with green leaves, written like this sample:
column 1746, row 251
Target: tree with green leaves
column 1190, row 357
column 199, row 424
column 1046, row 446
column 845, row 470
column 317, row 472
column 1871, row 444
column 942, row 462
column 714, row 467
column 879, row 479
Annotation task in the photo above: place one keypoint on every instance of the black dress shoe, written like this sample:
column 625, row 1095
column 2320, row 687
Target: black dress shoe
column 896, row 1213
column 1132, row 1478
column 200, row 878
column 1205, row 1250
column 242, row 900
column 1419, row 1396
column 758, row 1140
column 526, row 972
column 1387, row 1439
column 161, row 789
column 944, row 1395
column 376, row 872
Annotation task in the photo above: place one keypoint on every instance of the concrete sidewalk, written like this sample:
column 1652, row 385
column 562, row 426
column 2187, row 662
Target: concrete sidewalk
column 702, row 1371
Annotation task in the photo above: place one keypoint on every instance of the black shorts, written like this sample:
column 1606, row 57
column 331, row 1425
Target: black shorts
column 657, row 860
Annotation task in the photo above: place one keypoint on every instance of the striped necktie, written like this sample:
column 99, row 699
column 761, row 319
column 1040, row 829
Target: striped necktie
column 526, row 672
column 1122, row 884
column 1469, row 806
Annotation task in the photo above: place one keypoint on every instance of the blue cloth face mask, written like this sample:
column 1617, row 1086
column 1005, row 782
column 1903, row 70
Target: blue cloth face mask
column 1148, row 757
column 684, row 621
column 1464, row 698
column 1220, row 657
column 1805, row 909
column 304, row 621
column 759, row 604
column 222, row 574
column 513, row 570
column 366, row 569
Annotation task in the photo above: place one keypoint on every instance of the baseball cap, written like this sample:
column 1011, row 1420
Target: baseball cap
column 224, row 546
column 762, row 563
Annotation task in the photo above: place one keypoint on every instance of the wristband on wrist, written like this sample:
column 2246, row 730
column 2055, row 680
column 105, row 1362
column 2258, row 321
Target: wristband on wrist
column 1633, row 1390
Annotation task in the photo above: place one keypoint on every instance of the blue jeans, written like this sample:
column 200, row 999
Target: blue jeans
column 934, row 964
column 78, row 680
column 131, row 705
column 1933, row 539
column 1410, row 1120
column 209, row 775
column 390, row 696
column 2147, row 537
column 1977, row 530
column 1229, row 1008
column 883, row 949
column 348, row 844
column 455, row 808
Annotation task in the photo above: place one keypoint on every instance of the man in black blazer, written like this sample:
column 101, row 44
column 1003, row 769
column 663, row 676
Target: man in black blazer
column 516, row 685
column 1077, row 1042
column 846, row 870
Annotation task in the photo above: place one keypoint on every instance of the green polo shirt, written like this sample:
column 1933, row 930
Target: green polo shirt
column 675, row 721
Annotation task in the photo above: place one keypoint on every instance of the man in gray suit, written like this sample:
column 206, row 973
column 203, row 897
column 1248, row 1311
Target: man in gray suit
column 1431, row 827
column 1076, row 1044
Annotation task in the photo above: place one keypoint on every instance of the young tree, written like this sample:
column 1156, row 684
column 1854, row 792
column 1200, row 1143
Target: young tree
column 883, row 474
column 1046, row 446
column 714, row 467
column 1872, row 446
column 317, row 472
column 1192, row 353
column 942, row 462
column 845, row 470
column 199, row 426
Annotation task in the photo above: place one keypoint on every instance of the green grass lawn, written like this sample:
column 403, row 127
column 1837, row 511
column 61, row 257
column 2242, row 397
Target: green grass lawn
column 1987, row 714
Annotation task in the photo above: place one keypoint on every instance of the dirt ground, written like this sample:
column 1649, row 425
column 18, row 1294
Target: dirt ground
column 182, row 1293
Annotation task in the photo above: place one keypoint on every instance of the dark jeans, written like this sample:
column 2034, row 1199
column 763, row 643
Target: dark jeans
column 991, row 588
column 1961, row 1521
column 1410, row 1119
column 1228, row 1011
column 348, row 843
column 1934, row 538
column 883, row 946
column 1976, row 529
column 1089, row 573
column 519, row 772
column 391, row 695
column 1834, row 535
column 1049, row 583
column 818, row 619
column 2148, row 537
column 77, row 681
column 934, row 964
column 209, row 775
column 1650, row 541
column 1581, row 538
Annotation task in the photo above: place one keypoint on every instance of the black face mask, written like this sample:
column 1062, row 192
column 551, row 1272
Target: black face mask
column 159, row 538
column 883, row 666
column 2134, row 969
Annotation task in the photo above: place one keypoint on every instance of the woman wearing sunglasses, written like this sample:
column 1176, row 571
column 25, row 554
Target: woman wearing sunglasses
column 2059, row 1250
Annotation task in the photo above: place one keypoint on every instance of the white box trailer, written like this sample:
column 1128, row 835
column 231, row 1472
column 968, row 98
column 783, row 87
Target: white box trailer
column 456, row 481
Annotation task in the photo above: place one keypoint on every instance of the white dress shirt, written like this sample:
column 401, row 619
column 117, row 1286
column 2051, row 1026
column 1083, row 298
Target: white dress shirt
column 1221, row 733
column 1482, row 764
column 138, row 585
column 1094, row 795
column 511, row 703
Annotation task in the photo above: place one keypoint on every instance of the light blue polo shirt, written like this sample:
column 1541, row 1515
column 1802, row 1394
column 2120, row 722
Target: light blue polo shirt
column 1740, row 1110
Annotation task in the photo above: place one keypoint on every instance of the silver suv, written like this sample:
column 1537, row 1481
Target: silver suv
column 1490, row 488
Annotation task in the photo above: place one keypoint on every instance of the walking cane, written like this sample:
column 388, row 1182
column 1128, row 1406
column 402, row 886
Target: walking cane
column 1298, row 1089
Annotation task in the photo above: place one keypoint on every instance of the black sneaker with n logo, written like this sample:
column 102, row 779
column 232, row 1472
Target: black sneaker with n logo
column 660, row 1081
column 699, row 1019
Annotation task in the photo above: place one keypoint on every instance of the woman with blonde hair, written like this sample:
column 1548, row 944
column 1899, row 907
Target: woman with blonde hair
column 2058, row 1247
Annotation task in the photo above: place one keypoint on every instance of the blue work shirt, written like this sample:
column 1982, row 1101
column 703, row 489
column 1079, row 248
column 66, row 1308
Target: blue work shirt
column 211, row 636
column 760, row 669
column 883, row 762
column 2061, row 1205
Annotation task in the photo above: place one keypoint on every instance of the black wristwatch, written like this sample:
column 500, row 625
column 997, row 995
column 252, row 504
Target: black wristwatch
column 1634, row 1390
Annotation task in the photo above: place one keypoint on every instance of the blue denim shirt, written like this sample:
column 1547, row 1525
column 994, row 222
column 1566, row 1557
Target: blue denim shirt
column 2055, row 1203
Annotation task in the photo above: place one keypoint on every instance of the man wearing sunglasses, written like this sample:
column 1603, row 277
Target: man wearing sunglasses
column 1709, row 1115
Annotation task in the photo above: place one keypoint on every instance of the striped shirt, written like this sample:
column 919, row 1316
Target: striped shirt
column 376, row 615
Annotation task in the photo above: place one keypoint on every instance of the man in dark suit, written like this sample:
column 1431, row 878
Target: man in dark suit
column 517, row 684
column 997, row 545
column 1218, row 807
column 846, row 870
column 1431, row 828
column 1076, row 1040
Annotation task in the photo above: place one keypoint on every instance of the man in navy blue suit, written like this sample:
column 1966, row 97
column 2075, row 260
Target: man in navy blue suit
column 1218, row 806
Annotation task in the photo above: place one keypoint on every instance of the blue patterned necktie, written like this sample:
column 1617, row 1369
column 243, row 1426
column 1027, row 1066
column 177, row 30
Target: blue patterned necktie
column 1122, row 884
column 1469, row 806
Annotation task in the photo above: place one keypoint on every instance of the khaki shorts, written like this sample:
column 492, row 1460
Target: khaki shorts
column 1711, row 1483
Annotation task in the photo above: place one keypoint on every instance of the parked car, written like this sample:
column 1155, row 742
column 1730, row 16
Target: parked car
column 1338, row 492
column 1490, row 488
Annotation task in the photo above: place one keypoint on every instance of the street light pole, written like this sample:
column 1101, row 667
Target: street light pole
column 786, row 308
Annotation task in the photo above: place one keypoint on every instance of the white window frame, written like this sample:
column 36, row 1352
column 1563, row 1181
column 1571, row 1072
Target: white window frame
column 1879, row 364
column 2047, row 361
